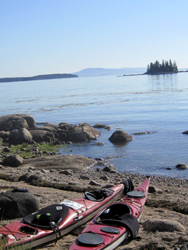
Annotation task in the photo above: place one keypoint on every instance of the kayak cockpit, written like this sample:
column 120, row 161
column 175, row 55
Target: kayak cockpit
column 93, row 197
column 45, row 217
column 115, row 211
column 98, row 195
column 119, row 214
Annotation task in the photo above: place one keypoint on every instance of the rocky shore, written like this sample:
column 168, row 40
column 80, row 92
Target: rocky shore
column 52, row 178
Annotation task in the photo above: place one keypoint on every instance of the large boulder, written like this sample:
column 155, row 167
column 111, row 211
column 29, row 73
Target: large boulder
column 120, row 136
column 109, row 168
column 42, row 136
column 16, row 121
column 19, row 136
column 99, row 125
column 29, row 119
column 163, row 226
column 82, row 132
column 13, row 160
column 17, row 203
column 62, row 162
column 181, row 166
column 33, row 179
column 49, row 127
column 4, row 134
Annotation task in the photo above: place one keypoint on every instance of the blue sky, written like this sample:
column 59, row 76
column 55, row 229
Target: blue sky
column 65, row 36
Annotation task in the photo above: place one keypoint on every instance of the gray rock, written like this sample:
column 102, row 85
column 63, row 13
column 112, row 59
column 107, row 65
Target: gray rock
column 42, row 135
column 19, row 136
column 36, row 178
column 82, row 132
column 152, row 190
column 4, row 134
column 99, row 159
column 119, row 136
column 94, row 183
column 29, row 119
column 99, row 144
column 6, row 150
column 16, row 204
column 145, row 133
column 108, row 128
column 55, row 179
column 66, row 172
column 65, row 126
column 49, row 127
column 163, row 226
column 24, row 177
column 84, row 177
column 99, row 169
column 98, row 125
column 61, row 162
column 74, row 183
column 104, row 177
column 69, row 142
column 181, row 166
column 44, row 171
column 13, row 160
column 109, row 168
column 16, row 121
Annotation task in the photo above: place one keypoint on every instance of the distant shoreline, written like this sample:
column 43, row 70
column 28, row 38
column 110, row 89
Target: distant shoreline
column 39, row 77
column 162, row 73
column 61, row 76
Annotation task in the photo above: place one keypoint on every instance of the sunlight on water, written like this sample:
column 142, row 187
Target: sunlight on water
column 133, row 104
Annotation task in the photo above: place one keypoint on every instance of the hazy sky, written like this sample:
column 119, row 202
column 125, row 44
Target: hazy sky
column 65, row 36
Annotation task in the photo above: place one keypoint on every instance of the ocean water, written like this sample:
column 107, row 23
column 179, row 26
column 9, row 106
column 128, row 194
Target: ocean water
column 131, row 103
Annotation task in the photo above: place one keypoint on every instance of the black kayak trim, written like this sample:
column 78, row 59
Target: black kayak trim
column 128, row 221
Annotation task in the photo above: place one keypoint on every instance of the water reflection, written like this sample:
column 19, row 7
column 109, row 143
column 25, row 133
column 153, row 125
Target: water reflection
column 163, row 82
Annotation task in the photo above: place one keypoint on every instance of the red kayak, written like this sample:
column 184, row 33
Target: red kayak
column 115, row 223
column 54, row 221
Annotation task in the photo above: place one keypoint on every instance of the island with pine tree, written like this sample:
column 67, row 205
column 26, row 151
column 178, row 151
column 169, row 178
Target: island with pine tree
column 165, row 67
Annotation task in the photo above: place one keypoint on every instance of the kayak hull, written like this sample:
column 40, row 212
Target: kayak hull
column 107, row 231
column 20, row 235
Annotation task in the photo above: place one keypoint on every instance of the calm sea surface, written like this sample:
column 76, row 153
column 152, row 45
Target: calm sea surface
column 132, row 103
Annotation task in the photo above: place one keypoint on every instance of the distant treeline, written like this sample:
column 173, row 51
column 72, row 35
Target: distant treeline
column 39, row 77
column 164, row 67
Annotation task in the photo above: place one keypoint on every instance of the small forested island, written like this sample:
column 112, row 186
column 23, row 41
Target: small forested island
column 163, row 68
column 39, row 77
